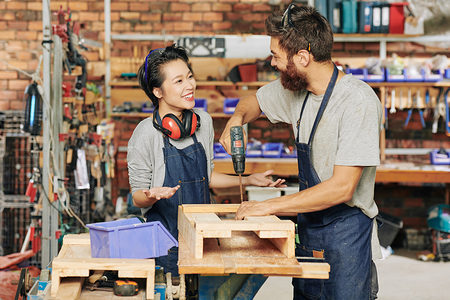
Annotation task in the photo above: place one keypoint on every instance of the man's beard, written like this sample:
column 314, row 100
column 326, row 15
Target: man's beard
column 291, row 79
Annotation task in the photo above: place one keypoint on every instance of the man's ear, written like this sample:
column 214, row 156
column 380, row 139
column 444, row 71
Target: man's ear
column 302, row 57
column 157, row 92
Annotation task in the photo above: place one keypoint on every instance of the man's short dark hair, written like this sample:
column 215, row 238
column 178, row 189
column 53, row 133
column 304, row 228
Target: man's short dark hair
column 307, row 29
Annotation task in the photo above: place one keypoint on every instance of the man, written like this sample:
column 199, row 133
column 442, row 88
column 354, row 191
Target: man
column 336, row 119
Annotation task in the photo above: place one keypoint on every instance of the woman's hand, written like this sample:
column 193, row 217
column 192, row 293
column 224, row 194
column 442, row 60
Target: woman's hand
column 264, row 179
column 161, row 192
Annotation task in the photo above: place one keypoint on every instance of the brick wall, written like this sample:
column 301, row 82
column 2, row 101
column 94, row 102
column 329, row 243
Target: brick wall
column 21, row 33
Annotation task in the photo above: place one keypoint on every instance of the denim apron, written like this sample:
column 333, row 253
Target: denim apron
column 339, row 235
column 188, row 168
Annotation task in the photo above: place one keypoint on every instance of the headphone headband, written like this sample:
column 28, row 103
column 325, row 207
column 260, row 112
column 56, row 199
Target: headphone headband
column 175, row 129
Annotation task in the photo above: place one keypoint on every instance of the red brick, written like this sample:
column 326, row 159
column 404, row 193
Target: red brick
column 55, row 5
column 3, row 25
column 129, row 15
column 201, row 7
column 23, row 55
column 8, row 74
column 212, row 16
column 147, row 27
column 3, row 5
column 410, row 47
column 120, row 26
column 35, row 25
column 192, row 17
column 16, row 5
column 241, row 7
column 7, row 35
column 17, row 25
column 7, row 16
column 183, row 26
column 354, row 46
column 151, row 17
column 77, row 5
column 139, row 6
column 372, row 46
column 180, row 6
column 222, row 7
column 395, row 47
column 230, row 1
column 27, row 35
column 119, row 6
column 17, row 104
column 261, row 7
column 233, row 16
column 222, row 25
column 97, row 26
column 89, row 16
column 8, row 95
column 18, row 85
column 4, row 105
column 413, row 202
column 172, row 17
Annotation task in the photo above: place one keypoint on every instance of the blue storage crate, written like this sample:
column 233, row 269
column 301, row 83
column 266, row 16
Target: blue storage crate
column 201, row 103
column 287, row 153
column 358, row 73
column 374, row 77
column 272, row 150
column 434, row 76
column 394, row 77
column 129, row 238
column 437, row 157
column 254, row 150
column 219, row 151
column 415, row 77
column 229, row 105
column 147, row 107
column 447, row 73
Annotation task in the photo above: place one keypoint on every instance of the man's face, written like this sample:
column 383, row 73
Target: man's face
column 291, row 78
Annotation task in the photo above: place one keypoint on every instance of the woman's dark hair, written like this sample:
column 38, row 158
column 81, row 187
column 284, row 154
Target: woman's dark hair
column 150, row 75
column 302, row 27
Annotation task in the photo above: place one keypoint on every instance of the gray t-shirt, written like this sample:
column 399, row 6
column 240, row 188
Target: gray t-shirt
column 146, row 168
column 347, row 134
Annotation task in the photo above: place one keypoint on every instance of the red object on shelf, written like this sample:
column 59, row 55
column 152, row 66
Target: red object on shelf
column 397, row 17
column 248, row 72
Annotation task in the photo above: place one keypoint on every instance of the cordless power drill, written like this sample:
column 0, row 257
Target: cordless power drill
column 238, row 153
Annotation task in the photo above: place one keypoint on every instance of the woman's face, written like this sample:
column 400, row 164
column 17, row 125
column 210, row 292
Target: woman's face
column 177, row 91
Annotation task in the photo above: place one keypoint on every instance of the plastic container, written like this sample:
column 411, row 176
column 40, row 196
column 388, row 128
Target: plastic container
column 395, row 77
column 434, row 76
column 147, row 107
column 201, row 103
column 219, row 151
column 253, row 150
column 229, row 105
column 437, row 157
column 414, row 77
column 272, row 150
column 248, row 72
column 374, row 77
column 439, row 217
column 256, row 193
column 388, row 229
column 447, row 74
column 129, row 238
column 358, row 73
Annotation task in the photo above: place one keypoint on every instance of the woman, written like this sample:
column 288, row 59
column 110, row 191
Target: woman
column 170, row 156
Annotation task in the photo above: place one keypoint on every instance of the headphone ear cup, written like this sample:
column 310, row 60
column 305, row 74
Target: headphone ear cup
column 187, row 121
column 170, row 122
column 158, row 127
column 195, row 124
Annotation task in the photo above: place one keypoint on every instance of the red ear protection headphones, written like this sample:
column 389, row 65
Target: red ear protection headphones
column 172, row 127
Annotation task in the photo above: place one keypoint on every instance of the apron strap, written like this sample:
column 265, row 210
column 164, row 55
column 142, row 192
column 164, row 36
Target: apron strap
column 301, row 114
column 324, row 103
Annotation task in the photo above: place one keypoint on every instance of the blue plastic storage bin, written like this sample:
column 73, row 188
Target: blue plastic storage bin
column 434, row 76
column 229, row 105
column 272, row 150
column 147, row 107
column 415, row 77
column 291, row 154
column 358, row 73
column 447, row 73
column 438, row 158
column 129, row 238
column 201, row 103
column 219, row 151
column 253, row 150
column 395, row 78
column 374, row 77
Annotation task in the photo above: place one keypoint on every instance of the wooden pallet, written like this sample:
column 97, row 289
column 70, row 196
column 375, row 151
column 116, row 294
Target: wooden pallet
column 74, row 260
column 209, row 244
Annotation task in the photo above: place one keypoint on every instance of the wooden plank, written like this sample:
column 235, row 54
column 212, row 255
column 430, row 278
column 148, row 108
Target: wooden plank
column 77, row 239
column 264, row 219
column 243, row 225
column 119, row 96
column 187, row 231
column 205, row 217
column 70, row 288
column 209, row 208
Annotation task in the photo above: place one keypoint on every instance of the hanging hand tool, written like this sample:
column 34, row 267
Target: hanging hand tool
column 415, row 105
column 392, row 110
column 238, row 153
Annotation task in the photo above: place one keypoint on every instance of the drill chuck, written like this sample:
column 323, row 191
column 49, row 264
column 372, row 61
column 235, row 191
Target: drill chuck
column 237, row 149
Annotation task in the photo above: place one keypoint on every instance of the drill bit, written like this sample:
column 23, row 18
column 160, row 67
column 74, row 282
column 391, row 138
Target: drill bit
column 240, row 187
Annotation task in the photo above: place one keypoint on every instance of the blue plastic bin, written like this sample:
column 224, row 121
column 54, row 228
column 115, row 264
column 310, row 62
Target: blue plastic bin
column 147, row 107
column 447, row 73
column 129, row 238
column 374, row 77
column 439, row 217
column 358, row 73
column 219, row 151
column 414, row 78
column 201, row 103
column 394, row 78
column 437, row 158
column 253, row 150
column 272, row 150
column 229, row 105
column 434, row 76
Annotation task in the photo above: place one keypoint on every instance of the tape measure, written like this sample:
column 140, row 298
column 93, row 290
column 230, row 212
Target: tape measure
column 125, row 288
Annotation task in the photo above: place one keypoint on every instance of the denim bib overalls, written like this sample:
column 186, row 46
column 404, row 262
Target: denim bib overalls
column 340, row 234
column 186, row 167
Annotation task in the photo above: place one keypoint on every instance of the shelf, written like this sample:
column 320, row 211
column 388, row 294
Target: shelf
column 145, row 115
